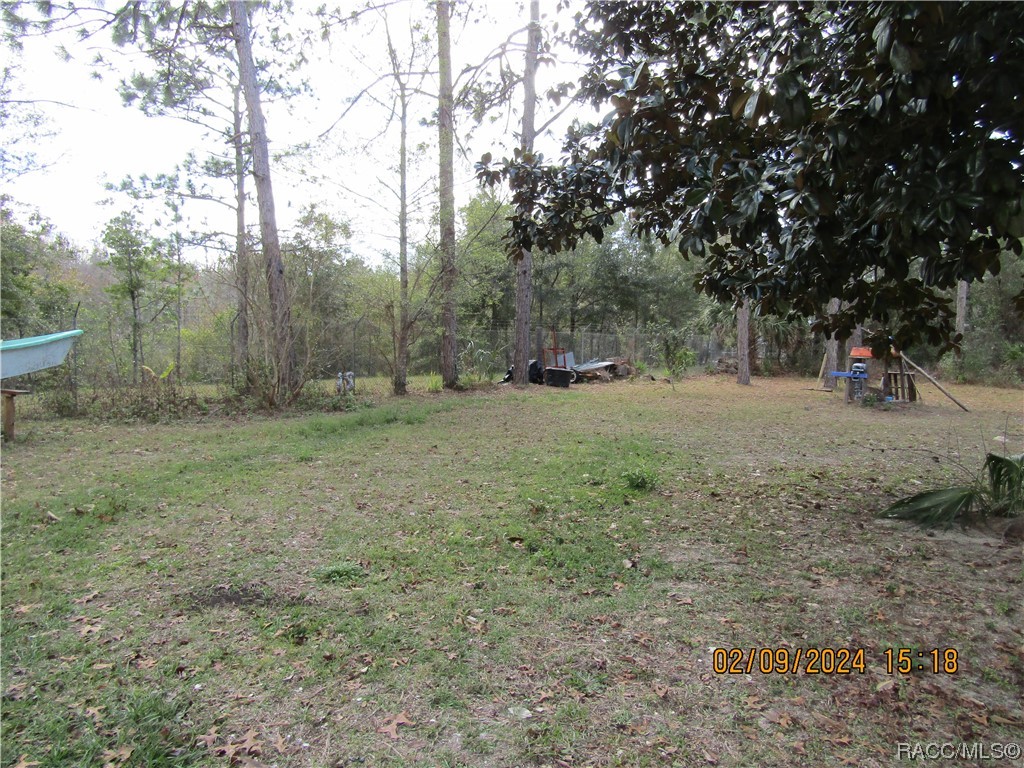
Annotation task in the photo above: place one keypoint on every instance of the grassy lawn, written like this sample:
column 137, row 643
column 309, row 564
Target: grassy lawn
column 505, row 578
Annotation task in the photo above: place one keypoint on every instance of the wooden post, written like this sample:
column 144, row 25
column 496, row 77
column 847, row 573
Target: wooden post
column 825, row 375
column 8, row 416
column 9, row 395
column 924, row 373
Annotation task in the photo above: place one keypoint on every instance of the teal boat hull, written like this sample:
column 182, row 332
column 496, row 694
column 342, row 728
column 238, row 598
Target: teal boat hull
column 35, row 353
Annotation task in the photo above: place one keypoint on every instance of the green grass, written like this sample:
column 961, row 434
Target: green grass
column 281, row 589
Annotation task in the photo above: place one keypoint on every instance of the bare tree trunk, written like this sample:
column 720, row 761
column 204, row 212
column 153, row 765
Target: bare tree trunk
column 962, row 290
column 137, row 359
column 401, row 332
column 178, row 279
column 241, row 351
column 524, row 260
column 743, row 342
column 831, row 350
column 287, row 382
column 446, row 136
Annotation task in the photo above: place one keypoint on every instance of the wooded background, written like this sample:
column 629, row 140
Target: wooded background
column 267, row 309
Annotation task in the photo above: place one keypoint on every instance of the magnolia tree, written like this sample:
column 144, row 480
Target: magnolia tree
column 865, row 152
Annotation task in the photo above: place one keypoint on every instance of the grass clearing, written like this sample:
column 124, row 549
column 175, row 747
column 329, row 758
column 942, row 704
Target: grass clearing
column 503, row 578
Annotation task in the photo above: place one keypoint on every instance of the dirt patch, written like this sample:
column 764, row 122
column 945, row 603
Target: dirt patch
column 231, row 596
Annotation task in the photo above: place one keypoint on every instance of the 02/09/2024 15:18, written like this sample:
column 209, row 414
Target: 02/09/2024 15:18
column 830, row 661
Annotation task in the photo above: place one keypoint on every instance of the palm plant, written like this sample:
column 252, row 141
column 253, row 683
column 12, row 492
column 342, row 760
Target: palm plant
column 998, row 491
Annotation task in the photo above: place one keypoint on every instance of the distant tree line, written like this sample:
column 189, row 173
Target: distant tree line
column 768, row 177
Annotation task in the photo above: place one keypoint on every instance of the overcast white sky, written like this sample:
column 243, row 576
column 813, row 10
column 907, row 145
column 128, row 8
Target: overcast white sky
column 99, row 140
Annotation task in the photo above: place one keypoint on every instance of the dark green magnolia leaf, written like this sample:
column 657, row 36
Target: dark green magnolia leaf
column 738, row 104
column 968, row 200
column 624, row 131
column 882, row 35
column 875, row 105
column 901, row 58
column 751, row 107
column 947, row 211
column 1015, row 229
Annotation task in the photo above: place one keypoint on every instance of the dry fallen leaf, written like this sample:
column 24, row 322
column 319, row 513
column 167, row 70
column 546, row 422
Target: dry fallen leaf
column 781, row 719
column 250, row 743
column 24, row 762
column 281, row 745
column 116, row 757
column 390, row 726
column 209, row 738
column 16, row 691
column 1006, row 721
column 754, row 702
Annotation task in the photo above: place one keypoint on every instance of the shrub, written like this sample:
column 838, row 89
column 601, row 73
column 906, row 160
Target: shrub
column 346, row 572
column 998, row 491
column 640, row 478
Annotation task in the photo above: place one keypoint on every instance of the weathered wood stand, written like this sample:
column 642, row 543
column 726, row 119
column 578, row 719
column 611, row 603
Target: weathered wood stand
column 899, row 384
column 9, row 395
column 902, row 386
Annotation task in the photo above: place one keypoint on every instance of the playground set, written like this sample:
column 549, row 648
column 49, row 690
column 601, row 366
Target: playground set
column 897, row 383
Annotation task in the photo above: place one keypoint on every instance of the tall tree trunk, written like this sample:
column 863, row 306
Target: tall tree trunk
column 962, row 290
column 178, row 288
column 287, row 382
column 831, row 349
column 401, row 332
column 743, row 342
column 857, row 337
column 137, row 361
column 524, row 260
column 241, row 351
column 446, row 138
